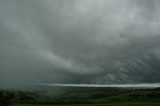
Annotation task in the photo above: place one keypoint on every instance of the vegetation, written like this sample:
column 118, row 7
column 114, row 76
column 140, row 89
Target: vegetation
column 106, row 104
column 7, row 98
column 109, row 96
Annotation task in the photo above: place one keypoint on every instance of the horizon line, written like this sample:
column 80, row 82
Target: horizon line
column 140, row 85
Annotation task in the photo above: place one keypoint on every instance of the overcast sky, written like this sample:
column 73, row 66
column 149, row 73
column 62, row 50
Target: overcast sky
column 79, row 41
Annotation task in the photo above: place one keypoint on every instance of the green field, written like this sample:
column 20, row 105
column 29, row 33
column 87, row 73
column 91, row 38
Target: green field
column 110, row 104
column 83, row 97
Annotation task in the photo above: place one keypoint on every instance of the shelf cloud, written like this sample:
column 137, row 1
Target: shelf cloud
column 85, row 41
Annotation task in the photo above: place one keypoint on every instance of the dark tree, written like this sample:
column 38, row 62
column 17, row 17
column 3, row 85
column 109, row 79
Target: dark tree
column 7, row 98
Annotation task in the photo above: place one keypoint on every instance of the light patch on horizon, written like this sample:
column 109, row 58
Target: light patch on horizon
column 145, row 85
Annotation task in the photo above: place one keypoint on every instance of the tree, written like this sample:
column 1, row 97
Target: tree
column 7, row 98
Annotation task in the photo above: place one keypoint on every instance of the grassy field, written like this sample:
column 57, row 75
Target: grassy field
column 83, row 97
column 110, row 104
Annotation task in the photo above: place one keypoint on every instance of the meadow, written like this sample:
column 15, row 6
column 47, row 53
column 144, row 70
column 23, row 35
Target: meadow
column 109, row 104
column 83, row 97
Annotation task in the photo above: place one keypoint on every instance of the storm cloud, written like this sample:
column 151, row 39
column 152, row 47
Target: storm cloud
column 79, row 41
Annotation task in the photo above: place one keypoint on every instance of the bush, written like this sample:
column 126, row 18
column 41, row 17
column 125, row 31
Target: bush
column 7, row 98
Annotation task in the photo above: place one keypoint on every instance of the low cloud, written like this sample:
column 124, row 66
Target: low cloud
column 87, row 41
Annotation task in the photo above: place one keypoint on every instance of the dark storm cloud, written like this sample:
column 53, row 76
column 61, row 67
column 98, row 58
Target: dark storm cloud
column 79, row 41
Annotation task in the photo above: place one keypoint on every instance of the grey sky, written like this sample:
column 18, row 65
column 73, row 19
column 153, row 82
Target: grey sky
column 79, row 41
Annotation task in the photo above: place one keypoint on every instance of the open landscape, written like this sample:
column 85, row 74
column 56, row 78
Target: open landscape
column 82, row 96
column 79, row 52
column 107, row 104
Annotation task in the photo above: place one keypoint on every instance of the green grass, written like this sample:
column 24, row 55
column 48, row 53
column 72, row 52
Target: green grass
column 109, row 104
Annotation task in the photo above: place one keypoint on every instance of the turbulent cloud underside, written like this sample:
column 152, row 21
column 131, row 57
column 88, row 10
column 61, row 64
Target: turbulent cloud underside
column 79, row 41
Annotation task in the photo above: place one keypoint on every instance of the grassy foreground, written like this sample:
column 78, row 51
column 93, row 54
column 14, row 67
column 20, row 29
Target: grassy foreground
column 109, row 104
column 83, row 97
